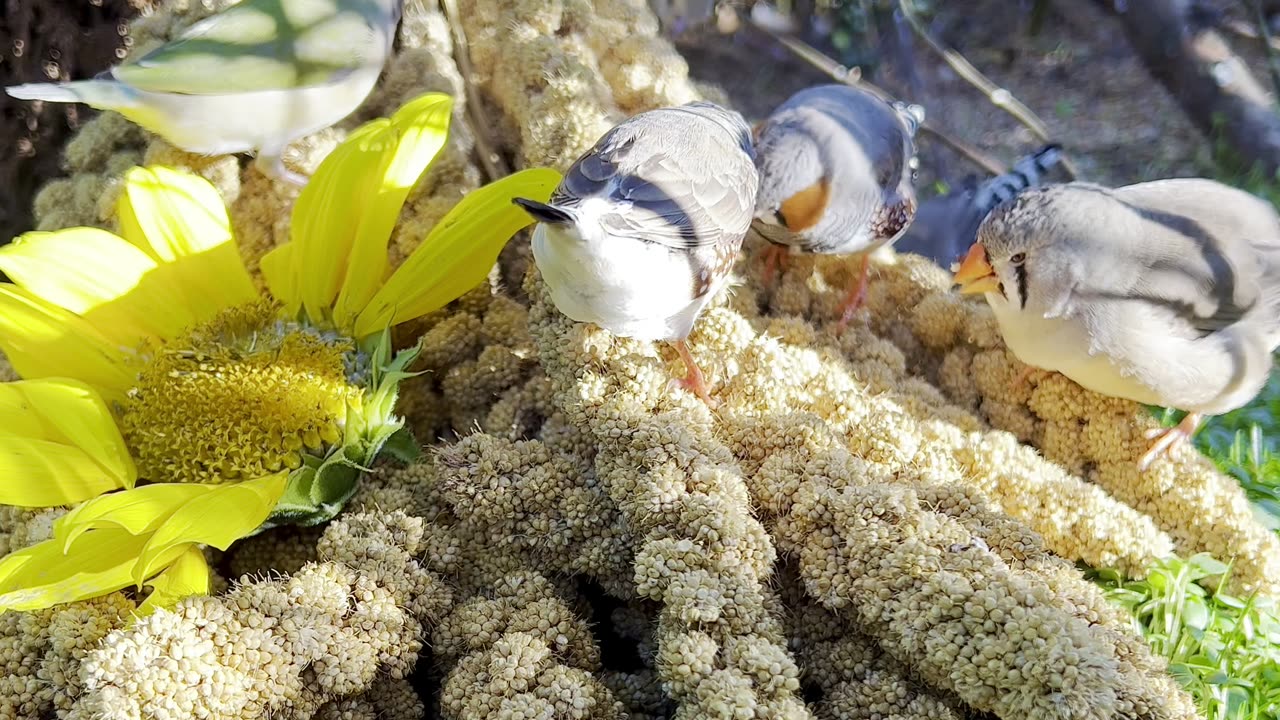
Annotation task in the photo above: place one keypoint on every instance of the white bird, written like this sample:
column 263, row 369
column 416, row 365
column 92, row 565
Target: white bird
column 645, row 227
column 1165, row 292
column 254, row 77
column 837, row 167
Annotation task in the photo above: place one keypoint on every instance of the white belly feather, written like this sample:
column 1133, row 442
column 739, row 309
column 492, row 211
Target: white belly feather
column 628, row 287
column 266, row 119
column 1062, row 345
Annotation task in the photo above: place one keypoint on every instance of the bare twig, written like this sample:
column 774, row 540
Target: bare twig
column 1260, row 18
column 492, row 162
column 853, row 76
column 998, row 96
column 1244, row 30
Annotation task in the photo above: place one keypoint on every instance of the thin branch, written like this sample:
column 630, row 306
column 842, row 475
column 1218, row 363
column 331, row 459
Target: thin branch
column 998, row 96
column 1260, row 18
column 492, row 162
column 853, row 76
column 1244, row 30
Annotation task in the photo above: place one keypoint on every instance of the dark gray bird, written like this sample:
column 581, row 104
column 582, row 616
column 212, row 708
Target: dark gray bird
column 837, row 167
column 945, row 226
column 645, row 227
column 1164, row 292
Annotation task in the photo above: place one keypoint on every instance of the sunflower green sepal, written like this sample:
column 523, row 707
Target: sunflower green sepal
column 321, row 487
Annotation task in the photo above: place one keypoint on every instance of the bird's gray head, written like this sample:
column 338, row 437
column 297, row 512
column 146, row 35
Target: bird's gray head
column 795, row 181
column 810, row 161
column 1031, row 249
column 730, row 120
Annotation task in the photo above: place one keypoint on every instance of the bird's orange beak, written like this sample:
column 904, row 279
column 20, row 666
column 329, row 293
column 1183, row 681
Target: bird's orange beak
column 975, row 274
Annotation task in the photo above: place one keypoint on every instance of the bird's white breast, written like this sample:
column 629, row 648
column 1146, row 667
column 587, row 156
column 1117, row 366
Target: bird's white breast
column 630, row 288
column 1062, row 344
column 265, row 119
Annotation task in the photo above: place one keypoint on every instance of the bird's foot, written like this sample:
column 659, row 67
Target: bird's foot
column 272, row 165
column 857, row 295
column 694, row 381
column 775, row 263
column 1168, row 439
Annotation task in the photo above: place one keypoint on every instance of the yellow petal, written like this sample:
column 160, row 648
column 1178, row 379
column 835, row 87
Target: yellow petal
column 41, row 340
column 67, row 412
column 42, row 575
column 39, row 473
column 116, row 287
column 217, row 518
column 344, row 215
column 422, row 127
column 277, row 269
column 327, row 214
column 138, row 511
column 188, row 575
column 459, row 251
column 180, row 218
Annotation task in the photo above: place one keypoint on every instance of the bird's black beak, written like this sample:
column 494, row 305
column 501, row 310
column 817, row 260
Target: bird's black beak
column 543, row 212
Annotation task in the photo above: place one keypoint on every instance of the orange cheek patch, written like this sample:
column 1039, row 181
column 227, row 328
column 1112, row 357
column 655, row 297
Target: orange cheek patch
column 804, row 209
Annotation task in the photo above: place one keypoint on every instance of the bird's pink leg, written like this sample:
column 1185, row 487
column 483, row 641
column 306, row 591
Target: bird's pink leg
column 775, row 262
column 857, row 295
column 694, row 381
column 1169, row 439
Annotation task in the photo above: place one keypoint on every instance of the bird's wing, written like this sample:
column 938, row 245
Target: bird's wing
column 661, row 193
column 1210, row 249
column 263, row 45
column 1184, row 262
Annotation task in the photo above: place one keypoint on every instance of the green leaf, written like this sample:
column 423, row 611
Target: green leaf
column 296, row 500
column 336, row 481
column 402, row 446
column 1205, row 565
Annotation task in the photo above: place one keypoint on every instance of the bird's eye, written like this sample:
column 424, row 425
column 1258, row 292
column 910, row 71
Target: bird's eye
column 778, row 218
column 1018, row 258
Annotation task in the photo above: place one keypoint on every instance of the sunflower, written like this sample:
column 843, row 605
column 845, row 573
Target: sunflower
column 175, row 407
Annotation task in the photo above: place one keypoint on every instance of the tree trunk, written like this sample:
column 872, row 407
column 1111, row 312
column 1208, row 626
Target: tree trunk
column 1214, row 85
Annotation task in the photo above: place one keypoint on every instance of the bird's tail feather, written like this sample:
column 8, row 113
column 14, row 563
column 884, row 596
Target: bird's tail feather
column 1027, row 172
column 543, row 212
column 104, row 94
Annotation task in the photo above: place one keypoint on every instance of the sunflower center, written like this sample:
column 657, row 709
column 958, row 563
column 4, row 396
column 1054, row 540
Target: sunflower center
column 241, row 396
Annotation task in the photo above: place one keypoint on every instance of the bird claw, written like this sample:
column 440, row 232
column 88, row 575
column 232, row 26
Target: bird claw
column 694, row 381
column 697, row 386
column 1167, row 439
column 857, row 296
column 775, row 263
column 274, row 168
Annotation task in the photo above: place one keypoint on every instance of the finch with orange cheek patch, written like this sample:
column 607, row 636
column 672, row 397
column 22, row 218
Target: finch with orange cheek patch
column 837, row 170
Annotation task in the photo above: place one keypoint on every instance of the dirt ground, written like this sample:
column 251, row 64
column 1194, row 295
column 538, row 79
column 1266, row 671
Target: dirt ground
column 1078, row 74
column 43, row 40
